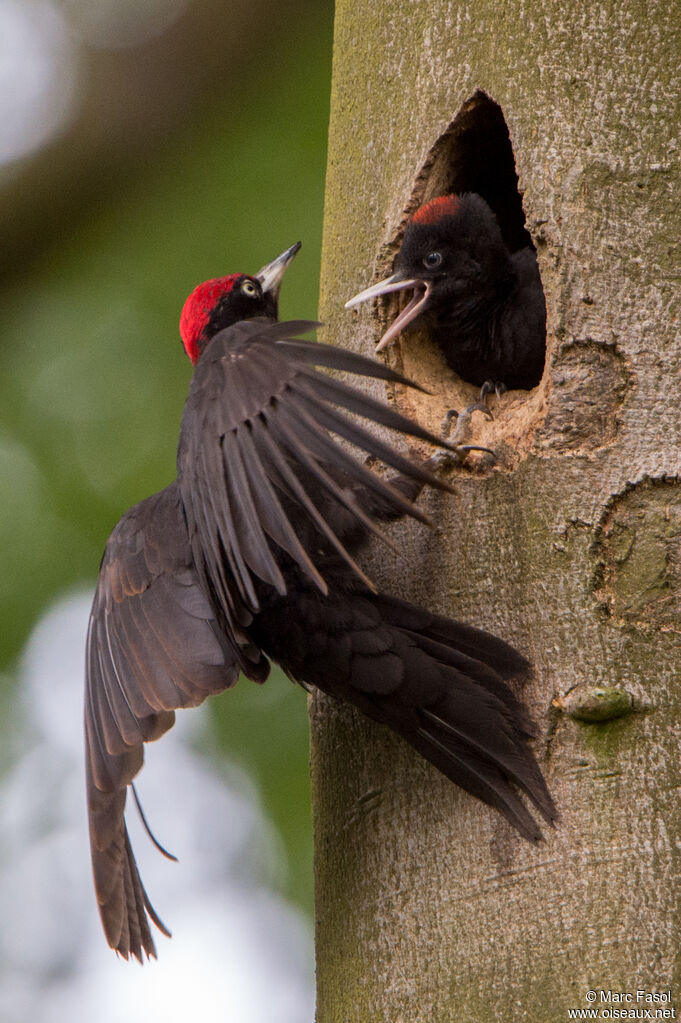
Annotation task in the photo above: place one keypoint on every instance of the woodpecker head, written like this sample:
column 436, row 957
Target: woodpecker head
column 219, row 303
column 452, row 253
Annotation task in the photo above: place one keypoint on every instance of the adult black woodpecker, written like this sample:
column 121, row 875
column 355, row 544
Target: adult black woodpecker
column 481, row 304
column 252, row 555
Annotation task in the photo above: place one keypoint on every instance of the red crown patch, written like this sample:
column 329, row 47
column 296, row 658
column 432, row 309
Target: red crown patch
column 431, row 212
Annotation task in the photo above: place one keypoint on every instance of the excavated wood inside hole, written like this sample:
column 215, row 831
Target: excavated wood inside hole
column 474, row 154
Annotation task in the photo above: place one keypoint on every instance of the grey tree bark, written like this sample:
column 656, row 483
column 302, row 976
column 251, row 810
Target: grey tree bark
column 428, row 907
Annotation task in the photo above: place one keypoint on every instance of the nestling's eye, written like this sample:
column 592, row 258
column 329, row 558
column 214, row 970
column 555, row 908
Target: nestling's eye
column 432, row 260
column 249, row 288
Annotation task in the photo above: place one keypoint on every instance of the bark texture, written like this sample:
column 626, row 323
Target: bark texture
column 428, row 906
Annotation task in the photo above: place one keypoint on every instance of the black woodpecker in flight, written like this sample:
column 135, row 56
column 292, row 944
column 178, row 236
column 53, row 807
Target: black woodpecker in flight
column 252, row 555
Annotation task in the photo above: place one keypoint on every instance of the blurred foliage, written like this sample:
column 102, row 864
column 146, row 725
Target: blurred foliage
column 94, row 376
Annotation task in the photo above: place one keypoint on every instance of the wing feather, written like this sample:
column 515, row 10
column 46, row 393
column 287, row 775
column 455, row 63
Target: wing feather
column 304, row 425
column 312, row 448
column 247, row 520
column 273, row 517
column 331, row 419
column 254, row 444
column 153, row 646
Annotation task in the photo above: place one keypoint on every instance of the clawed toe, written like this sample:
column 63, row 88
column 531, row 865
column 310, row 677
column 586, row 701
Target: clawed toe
column 456, row 440
column 497, row 387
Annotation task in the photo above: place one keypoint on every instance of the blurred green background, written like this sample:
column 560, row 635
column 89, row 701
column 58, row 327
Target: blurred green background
column 195, row 152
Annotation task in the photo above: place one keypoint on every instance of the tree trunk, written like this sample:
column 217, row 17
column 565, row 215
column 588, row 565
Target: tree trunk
column 429, row 907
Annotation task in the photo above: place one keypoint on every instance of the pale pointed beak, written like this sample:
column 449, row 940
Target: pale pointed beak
column 272, row 274
column 410, row 311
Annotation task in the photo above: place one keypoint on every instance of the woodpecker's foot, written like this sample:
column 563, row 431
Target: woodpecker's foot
column 457, row 439
column 491, row 387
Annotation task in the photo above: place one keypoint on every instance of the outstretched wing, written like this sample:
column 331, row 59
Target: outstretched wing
column 152, row 646
column 262, row 477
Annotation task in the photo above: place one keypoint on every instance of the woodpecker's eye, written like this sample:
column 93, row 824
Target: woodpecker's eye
column 249, row 288
column 432, row 260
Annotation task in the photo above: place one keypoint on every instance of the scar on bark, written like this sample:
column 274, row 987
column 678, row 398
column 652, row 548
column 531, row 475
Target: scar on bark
column 637, row 551
column 589, row 382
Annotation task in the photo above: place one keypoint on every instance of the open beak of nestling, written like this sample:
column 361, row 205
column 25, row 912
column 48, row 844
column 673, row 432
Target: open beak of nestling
column 272, row 274
column 410, row 311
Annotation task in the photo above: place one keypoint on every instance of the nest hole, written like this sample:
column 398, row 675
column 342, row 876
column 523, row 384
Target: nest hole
column 473, row 154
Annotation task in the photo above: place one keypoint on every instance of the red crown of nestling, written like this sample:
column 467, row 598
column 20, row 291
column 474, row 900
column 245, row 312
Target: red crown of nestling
column 197, row 309
column 431, row 212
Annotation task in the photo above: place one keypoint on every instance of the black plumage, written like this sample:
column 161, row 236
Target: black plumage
column 254, row 555
column 481, row 304
column 152, row 647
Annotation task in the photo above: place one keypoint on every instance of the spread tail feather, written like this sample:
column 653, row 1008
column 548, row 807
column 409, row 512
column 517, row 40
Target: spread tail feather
column 444, row 687
column 469, row 723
